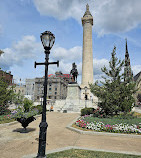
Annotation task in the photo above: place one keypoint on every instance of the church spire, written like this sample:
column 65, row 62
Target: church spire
column 128, row 75
column 127, row 59
column 126, row 46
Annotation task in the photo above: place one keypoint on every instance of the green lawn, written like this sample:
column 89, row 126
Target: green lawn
column 114, row 120
column 75, row 153
column 5, row 119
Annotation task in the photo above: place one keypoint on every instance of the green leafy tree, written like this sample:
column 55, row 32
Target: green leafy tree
column 17, row 99
column 115, row 95
column 5, row 96
column 27, row 104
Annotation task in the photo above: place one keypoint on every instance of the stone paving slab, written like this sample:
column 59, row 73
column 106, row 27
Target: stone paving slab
column 14, row 144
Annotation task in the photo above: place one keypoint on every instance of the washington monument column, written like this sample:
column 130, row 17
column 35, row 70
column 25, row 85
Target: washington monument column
column 87, row 58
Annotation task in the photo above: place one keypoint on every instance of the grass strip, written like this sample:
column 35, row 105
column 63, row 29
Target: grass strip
column 78, row 153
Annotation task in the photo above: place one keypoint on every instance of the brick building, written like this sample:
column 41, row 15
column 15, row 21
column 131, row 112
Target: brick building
column 7, row 75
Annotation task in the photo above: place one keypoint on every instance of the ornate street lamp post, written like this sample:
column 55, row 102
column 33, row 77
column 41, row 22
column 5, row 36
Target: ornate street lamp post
column 42, row 95
column 47, row 39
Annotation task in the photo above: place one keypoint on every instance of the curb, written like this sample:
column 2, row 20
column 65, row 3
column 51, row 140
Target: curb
column 69, row 126
column 7, row 124
column 83, row 148
column 91, row 149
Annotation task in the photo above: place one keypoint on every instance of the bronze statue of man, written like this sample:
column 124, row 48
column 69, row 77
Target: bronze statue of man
column 74, row 72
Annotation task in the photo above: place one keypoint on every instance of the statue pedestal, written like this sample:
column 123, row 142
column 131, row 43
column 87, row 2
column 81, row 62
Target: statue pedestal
column 73, row 98
column 73, row 91
column 73, row 102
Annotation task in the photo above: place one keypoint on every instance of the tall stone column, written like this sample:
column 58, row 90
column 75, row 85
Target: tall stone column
column 87, row 58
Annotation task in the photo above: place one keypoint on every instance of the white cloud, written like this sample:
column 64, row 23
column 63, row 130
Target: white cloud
column 114, row 16
column 67, row 55
column 98, row 64
column 60, row 9
column 65, row 64
column 136, row 69
column 28, row 48
column 20, row 51
column 110, row 16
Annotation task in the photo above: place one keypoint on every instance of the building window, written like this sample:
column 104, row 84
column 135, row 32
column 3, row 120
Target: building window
column 55, row 89
column 49, row 89
column 37, row 97
column 50, row 84
column 55, row 84
column 55, row 97
column 49, row 97
column 55, row 93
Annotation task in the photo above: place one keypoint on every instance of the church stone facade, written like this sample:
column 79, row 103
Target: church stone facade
column 137, row 79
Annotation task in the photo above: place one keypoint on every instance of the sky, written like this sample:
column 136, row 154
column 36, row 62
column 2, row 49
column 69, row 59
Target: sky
column 22, row 22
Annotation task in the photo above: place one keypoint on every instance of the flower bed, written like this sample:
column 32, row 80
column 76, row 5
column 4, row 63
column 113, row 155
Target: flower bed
column 6, row 119
column 116, row 128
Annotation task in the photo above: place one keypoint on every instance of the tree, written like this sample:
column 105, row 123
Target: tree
column 115, row 95
column 5, row 96
column 27, row 104
column 17, row 99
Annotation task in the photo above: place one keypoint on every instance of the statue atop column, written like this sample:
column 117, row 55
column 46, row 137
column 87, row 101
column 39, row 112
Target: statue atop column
column 74, row 73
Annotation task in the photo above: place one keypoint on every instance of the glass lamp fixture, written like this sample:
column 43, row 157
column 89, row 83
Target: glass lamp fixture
column 47, row 39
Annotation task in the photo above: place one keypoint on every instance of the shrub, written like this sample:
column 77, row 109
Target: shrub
column 98, row 113
column 87, row 111
column 38, row 107
column 128, row 116
column 19, row 114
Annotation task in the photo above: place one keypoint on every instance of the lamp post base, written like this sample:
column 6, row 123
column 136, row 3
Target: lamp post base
column 42, row 140
column 41, row 157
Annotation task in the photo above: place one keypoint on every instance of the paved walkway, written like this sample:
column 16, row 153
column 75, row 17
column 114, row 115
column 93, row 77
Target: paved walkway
column 14, row 144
